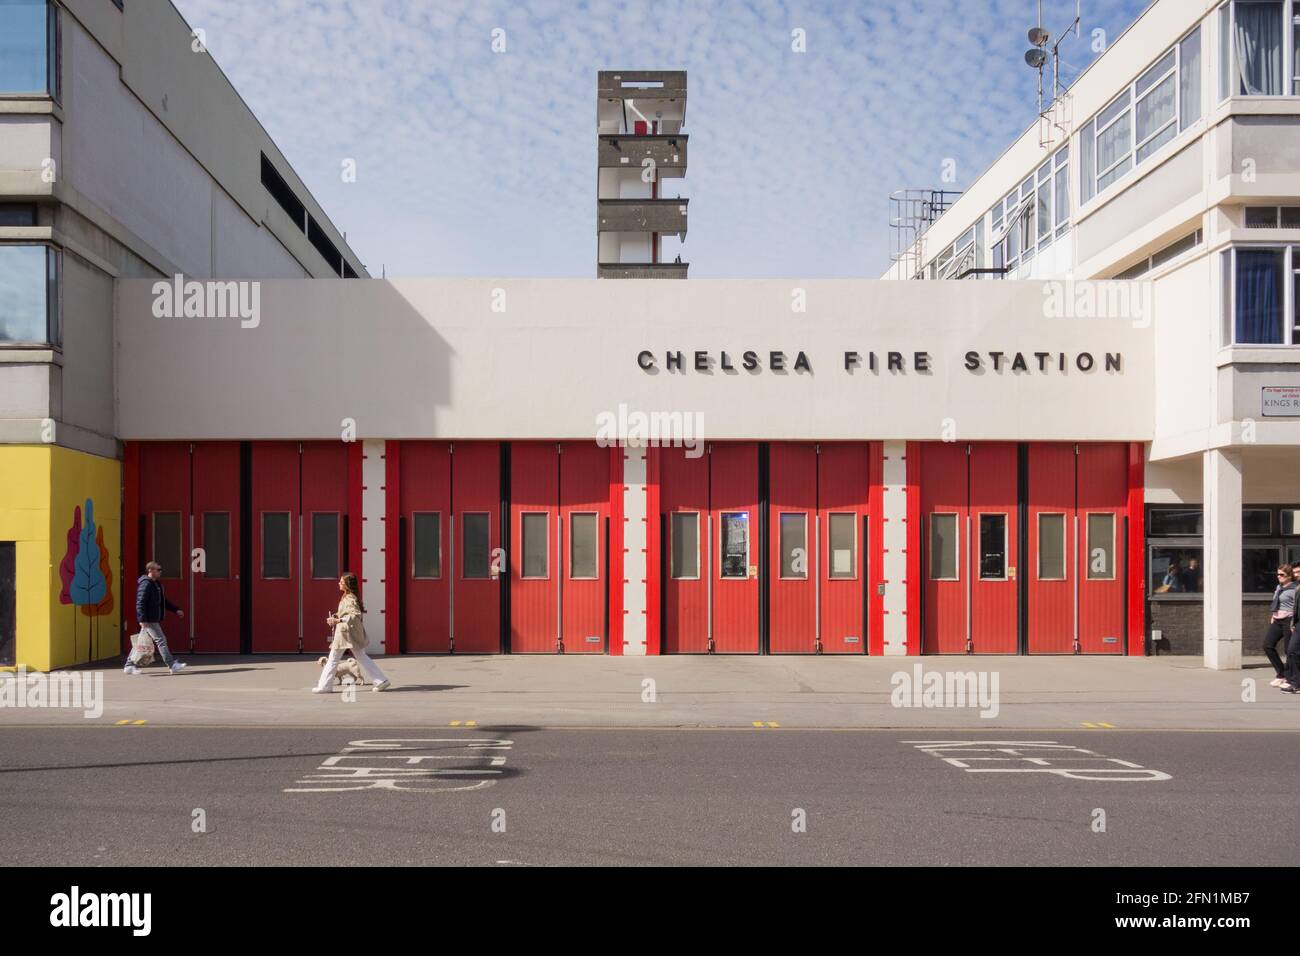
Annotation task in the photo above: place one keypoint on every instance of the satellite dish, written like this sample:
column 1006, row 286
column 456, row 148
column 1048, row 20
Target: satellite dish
column 1038, row 36
column 1035, row 58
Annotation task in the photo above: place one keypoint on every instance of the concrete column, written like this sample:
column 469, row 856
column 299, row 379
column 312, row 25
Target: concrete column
column 634, row 552
column 1222, row 575
column 894, row 505
column 374, row 507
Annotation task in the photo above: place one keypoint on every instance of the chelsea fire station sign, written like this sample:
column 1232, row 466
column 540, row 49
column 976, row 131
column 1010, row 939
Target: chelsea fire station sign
column 799, row 362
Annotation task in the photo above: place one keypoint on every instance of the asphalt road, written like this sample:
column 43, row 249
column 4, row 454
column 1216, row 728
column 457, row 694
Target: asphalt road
column 518, row 796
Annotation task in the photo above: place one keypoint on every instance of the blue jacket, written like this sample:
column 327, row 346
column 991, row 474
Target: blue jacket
column 150, row 602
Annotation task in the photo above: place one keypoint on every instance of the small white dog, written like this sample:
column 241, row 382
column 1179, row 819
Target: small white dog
column 348, row 667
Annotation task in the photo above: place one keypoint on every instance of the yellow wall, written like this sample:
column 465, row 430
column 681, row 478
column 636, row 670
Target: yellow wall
column 40, row 485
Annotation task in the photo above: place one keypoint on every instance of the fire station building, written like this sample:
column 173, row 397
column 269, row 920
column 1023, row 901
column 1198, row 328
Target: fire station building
column 1066, row 421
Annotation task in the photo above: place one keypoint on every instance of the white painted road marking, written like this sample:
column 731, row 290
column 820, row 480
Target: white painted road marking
column 412, row 762
column 1036, row 756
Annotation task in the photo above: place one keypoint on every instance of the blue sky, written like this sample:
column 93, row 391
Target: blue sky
column 475, row 163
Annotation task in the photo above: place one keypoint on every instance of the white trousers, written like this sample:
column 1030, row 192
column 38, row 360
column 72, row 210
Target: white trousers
column 368, row 667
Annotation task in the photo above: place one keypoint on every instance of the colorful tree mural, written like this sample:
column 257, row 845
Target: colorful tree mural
column 85, row 572
column 68, row 567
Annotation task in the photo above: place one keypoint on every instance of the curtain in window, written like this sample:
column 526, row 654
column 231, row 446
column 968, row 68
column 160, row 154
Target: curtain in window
column 1259, row 48
column 1259, row 297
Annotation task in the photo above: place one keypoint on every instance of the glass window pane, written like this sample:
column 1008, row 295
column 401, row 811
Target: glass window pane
column 426, row 545
column 325, row 547
column 735, row 545
column 1293, row 554
column 993, row 547
column 1176, row 570
column 533, row 530
column 1114, row 144
column 943, row 547
column 1156, row 108
column 1166, row 135
column 1291, row 521
column 794, row 546
column 843, row 546
column 1114, row 110
column 1051, row 547
column 24, row 286
column 275, row 545
column 1149, row 78
column 167, row 543
column 1044, row 210
column 1259, row 297
column 1176, row 521
column 1295, row 47
column 216, row 545
column 475, row 559
column 1087, row 163
column 1062, row 194
column 584, row 545
column 1257, row 521
column 1101, row 547
column 685, row 540
column 1259, row 569
column 23, row 47
column 1258, row 47
column 1225, row 51
column 1189, row 79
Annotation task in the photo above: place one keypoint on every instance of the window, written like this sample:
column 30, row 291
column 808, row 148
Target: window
column 1189, row 80
column 1290, row 522
column 1031, row 217
column 843, row 547
column 21, row 214
column 476, row 559
column 735, row 544
column 426, row 545
column 685, row 541
column 29, row 295
column 1101, row 547
column 943, row 547
column 283, row 194
column 1051, row 547
column 275, row 546
column 1164, row 100
column 1165, row 255
column 216, row 545
column 534, row 530
column 1256, row 293
column 993, row 547
column 29, row 47
column 1253, row 49
column 1176, row 570
column 1169, row 522
column 167, row 543
column 1257, row 521
column 325, row 547
column 584, row 545
column 794, row 546
column 1273, row 217
column 1259, row 569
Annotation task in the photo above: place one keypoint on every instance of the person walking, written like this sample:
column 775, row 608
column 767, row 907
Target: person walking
column 150, row 606
column 349, row 634
column 1281, row 617
column 1292, row 683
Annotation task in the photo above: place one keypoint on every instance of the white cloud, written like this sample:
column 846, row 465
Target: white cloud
column 475, row 163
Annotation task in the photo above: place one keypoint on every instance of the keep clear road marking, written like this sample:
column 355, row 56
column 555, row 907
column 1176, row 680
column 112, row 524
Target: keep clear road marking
column 410, row 765
column 1036, row 756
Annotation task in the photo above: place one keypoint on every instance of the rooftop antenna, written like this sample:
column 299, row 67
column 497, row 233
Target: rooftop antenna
column 1037, row 57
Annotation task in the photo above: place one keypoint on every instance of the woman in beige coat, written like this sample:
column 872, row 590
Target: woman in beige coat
column 349, row 634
